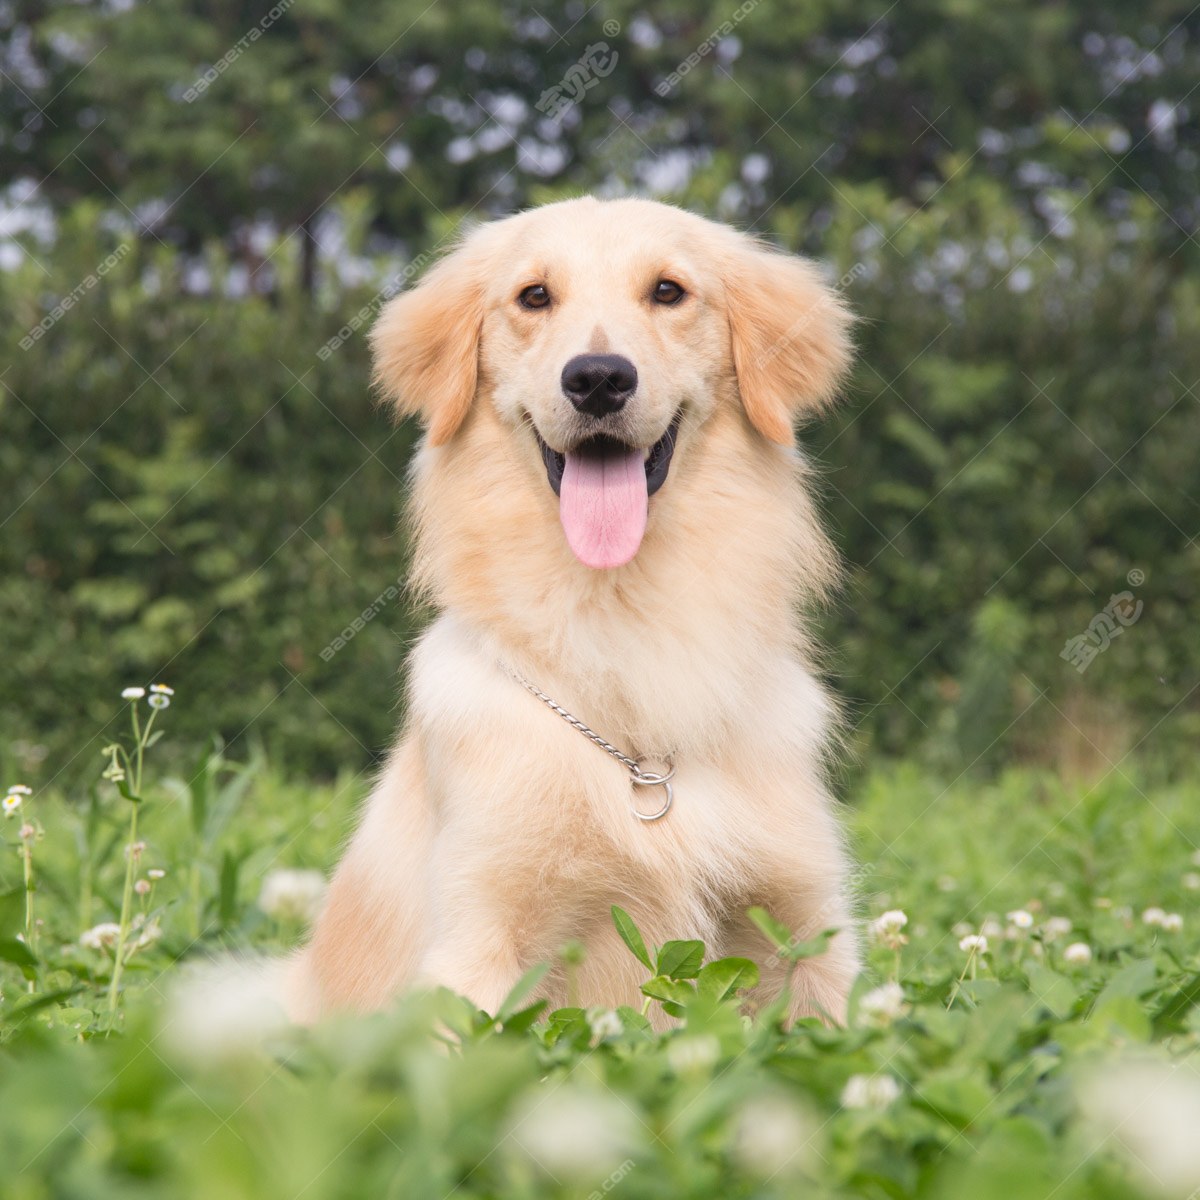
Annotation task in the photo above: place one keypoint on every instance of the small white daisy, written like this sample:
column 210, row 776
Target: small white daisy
column 19, row 789
column 156, row 873
column 133, row 693
column 1020, row 919
column 12, row 802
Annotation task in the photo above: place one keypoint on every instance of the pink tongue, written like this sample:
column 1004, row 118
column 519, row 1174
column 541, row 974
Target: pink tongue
column 602, row 506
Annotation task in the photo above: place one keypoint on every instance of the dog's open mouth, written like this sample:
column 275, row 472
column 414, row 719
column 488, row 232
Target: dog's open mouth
column 604, row 486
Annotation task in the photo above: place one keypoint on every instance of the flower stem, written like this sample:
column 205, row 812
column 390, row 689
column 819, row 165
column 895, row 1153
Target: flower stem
column 126, row 905
column 141, row 737
column 30, row 923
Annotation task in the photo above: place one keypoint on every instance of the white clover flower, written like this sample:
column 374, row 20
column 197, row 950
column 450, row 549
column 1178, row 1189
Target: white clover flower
column 156, row 873
column 1057, row 927
column 12, row 802
column 1154, row 916
column 1172, row 922
column 1078, row 954
column 974, row 943
column 133, row 693
column 870, row 1091
column 575, row 1133
column 692, row 1054
column 604, row 1023
column 292, row 895
column 100, row 937
column 1020, row 918
column 219, row 1011
column 888, row 928
column 1150, row 1111
column 884, row 1004
column 772, row 1134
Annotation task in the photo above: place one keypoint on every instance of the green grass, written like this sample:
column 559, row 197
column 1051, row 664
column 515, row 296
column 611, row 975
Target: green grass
column 1010, row 1074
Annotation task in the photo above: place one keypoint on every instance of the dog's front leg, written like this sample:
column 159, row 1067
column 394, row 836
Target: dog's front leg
column 491, row 912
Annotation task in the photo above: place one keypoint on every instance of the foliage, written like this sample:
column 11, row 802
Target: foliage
column 974, row 1077
column 1006, row 196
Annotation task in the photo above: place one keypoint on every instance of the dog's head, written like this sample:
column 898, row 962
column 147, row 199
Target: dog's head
column 602, row 332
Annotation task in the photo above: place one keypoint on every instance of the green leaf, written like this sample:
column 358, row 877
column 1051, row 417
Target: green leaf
column 123, row 788
column 12, row 910
column 776, row 933
column 630, row 936
column 782, row 938
column 813, row 947
column 227, row 891
column 662, row 988
column 960, row 1096
column 681, row 960
column 14, row 950
column 522, row 1021
column 521, row 989
column 726, row 976
column 200, row 787
column 1131, row 981
column 1173, row 1008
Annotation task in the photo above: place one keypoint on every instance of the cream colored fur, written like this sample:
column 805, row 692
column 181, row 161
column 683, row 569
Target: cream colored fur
column 495, row 832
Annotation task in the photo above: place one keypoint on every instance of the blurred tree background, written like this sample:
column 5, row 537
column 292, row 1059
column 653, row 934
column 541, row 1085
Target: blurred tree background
column 197, row 199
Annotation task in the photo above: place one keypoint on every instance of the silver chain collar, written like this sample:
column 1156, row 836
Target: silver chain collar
column 639, row 777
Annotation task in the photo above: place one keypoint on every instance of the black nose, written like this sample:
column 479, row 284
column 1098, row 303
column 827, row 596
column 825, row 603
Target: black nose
column 599, row 384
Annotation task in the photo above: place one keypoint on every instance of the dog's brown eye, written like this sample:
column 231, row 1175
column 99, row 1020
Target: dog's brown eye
column 534, row 297
column 667, row 291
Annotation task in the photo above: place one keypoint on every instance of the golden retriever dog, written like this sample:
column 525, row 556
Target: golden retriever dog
column 610, row 517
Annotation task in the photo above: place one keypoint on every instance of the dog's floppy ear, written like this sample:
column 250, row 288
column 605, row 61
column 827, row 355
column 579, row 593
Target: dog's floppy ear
column 790, row 334
column 426, row 344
